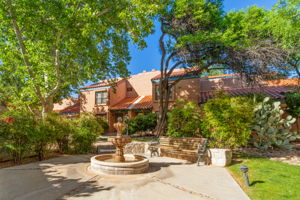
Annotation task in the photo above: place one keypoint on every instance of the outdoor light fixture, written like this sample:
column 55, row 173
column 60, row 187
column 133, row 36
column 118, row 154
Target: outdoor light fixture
column 244, row 170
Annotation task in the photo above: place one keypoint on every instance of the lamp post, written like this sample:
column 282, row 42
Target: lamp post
column 244, row 169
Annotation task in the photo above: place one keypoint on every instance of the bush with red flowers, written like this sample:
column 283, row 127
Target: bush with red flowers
column 16, row 127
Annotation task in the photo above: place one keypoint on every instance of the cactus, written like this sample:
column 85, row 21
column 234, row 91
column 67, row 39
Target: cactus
column 271, row 128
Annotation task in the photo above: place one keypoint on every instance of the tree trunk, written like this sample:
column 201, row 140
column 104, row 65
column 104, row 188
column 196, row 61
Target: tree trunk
column 163, row 107
column 161, row 124
column 47, row 107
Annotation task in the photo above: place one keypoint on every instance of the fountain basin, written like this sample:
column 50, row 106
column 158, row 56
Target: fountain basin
column 134, row 164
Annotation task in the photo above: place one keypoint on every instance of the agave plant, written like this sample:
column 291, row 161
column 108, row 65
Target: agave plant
column 271, row 128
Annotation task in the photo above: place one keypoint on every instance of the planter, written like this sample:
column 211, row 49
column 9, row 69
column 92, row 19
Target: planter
column 220, row 157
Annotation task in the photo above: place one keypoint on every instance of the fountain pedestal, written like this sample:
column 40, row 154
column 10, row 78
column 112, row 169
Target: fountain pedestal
column 119, row 142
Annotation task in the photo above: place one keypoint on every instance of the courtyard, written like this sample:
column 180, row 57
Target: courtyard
column 68, row 177
column 150, row 99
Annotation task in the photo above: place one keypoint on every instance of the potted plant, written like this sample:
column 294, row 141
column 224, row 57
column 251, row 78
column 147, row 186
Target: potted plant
column 228, row 123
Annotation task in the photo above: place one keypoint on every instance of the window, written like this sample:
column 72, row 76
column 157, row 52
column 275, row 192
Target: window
column 101, row 97
column 129, row 89
column 156, row 93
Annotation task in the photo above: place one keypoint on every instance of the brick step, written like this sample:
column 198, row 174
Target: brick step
column 191, row 158
column 189, row 147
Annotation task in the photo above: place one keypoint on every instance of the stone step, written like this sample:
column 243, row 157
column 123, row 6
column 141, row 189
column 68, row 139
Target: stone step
column 104, row 151
column 105, row 148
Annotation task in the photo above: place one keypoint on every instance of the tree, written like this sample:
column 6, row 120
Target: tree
column 198, row 36
column 284, row 26
column 48, row 48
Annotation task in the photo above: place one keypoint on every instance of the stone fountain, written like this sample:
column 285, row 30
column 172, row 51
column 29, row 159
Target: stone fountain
column 118, row 163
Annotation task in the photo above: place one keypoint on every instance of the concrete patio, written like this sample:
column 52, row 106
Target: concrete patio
column 69, row 178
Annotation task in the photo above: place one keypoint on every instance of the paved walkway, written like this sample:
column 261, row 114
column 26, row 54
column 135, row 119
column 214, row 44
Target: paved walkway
column 69, row 178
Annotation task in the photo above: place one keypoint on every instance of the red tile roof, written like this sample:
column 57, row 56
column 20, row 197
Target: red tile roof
column 270, row 91
column 75, row 108
column 145, row 103
column 124, row 104
column 132, row 103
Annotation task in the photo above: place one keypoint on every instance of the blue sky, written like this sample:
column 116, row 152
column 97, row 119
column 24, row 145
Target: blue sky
column 149, row 57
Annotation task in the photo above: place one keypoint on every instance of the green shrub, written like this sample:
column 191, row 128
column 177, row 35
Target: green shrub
column 21, row 134
column 61, row 129
column 86, row 130
column 228, row 120
column 103, row 123
column 293, row 103
column 41, row 136
column 184, row 120
column 142, row 122
column 15, row 133
column 271, row 129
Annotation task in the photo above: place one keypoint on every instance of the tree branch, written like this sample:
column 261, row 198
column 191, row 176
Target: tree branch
column 169, row 59
column 193, row 71
column 23, row 49
column 58, row 74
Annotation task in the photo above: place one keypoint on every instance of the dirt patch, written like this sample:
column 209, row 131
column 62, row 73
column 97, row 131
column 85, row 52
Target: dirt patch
column 288, row 156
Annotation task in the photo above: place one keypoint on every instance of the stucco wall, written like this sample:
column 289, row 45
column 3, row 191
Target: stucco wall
column 118, row 93
column 222, row 84
column 64, row 103
column 87, row 99
column 187, row 89
column 142, row 82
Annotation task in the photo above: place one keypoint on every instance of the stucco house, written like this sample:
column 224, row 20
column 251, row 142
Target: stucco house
column 69, row 107
column 124, row 97
column 201, row 89
column 139, row 93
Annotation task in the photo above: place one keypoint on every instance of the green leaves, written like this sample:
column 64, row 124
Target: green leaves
column 229, row 120
column 284, row 26
column 86, row 130
column 142, row 122
column 21, row 134
column 68, row 43
column 184, row 120
column 293, row 103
